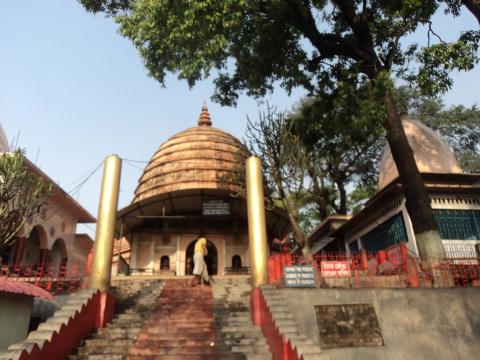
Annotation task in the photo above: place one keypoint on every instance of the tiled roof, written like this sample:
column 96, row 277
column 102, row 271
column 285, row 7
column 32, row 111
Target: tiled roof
column 201, row 157
column 18, row 287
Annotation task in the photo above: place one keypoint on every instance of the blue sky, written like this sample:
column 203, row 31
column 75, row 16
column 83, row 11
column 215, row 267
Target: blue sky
column 77, row 91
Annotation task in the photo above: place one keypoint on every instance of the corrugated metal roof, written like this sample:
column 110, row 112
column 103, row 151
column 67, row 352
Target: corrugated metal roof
column 18, row 287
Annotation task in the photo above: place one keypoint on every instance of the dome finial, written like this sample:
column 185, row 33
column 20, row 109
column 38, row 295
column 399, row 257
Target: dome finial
column 204, row 119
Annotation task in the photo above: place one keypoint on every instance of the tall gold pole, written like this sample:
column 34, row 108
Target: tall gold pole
column 107, row 212
column 257, row 229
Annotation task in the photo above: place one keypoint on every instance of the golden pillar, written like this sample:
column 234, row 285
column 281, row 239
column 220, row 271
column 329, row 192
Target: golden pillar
column 257, row 229
column 107, row 212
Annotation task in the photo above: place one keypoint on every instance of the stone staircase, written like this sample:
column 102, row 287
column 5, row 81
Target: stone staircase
column 180, row 326
column 237, row 337
column 170, row 320
column 134, row 301
column 284, row 320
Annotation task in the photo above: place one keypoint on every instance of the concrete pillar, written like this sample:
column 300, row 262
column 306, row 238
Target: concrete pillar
column 257, row 230
column 19, row 248
column 177, row 258
column 43, row 256
column 107, row 211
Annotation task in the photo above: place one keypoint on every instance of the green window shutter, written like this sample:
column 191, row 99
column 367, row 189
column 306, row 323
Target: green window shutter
column 386, row 234
column 458, row 224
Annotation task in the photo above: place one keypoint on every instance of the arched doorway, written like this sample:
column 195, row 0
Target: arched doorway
column 236, row 262
column 58, row 256
column 165, row 263
column 211, row 259
column 32, row 250
column 7, row 254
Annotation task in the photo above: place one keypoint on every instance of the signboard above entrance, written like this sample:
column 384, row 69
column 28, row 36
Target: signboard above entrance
column 215, row 207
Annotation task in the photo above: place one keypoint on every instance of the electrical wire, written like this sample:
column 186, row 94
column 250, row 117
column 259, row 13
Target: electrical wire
column 132, row 164
column 83, row 176
column 74, row 191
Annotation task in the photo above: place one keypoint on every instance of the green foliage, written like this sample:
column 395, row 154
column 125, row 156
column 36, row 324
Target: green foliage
column 342, row 131
column 359, row 196
column 21, row 194
column 109, row 7
column 439, row 60
column 309, row 218
column 192, row 38
column 252, row 45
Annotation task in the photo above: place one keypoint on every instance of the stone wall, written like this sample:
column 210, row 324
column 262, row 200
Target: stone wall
column 414, row 323
column 15, row 312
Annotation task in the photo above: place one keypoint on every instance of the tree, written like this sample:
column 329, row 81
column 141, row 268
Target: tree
column 249, row 45
column 338, row 129
column 285, row 166
column 22, row 193
column 343, row 134
column 472, row 5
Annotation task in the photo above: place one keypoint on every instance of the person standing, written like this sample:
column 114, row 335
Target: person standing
column 200, row 270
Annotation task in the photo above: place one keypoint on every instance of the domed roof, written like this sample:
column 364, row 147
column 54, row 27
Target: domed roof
column 432, row 154
column 3, row 141
column 201, row 157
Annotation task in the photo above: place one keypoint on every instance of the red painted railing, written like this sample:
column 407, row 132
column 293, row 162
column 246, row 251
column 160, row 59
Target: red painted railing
column 389, row 268
column 55, row 278
column 93, row 314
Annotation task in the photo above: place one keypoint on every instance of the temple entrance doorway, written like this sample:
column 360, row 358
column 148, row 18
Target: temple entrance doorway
column 211, row 259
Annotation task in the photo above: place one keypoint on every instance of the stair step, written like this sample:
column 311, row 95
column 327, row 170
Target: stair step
column 239, row 339
column 97, row 357
column 106, row 342
column 159, row 343
column 173, row 321
column 117, row 336
column 97, row 350
column 175, row 350
column 173, row 357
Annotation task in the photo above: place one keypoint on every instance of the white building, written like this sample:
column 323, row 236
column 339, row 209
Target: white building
column 50, row 238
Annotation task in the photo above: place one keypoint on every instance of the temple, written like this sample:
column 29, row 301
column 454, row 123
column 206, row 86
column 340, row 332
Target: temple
column 384, row 221
column 363, row 306
column 192, row 186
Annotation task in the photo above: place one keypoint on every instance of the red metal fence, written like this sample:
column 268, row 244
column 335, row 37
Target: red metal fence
column 394, row 267
column 54, row 278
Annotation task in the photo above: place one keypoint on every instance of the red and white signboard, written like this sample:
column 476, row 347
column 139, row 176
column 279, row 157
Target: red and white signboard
column 335, row 268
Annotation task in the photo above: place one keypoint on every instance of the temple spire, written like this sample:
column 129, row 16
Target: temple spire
column 204, row 119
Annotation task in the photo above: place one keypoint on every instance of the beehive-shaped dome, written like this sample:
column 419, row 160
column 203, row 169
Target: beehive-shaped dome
column 432, row 154
column 3, row 141
column 201, row 157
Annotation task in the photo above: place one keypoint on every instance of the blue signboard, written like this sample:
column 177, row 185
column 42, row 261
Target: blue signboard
column 300, row 276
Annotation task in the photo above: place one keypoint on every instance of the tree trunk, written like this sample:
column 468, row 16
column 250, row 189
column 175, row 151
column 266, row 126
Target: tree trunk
column 417, row 201
column 300, row 236
column 342, row 210
column 319, row 194
column 322, row 207
column 474, row 7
